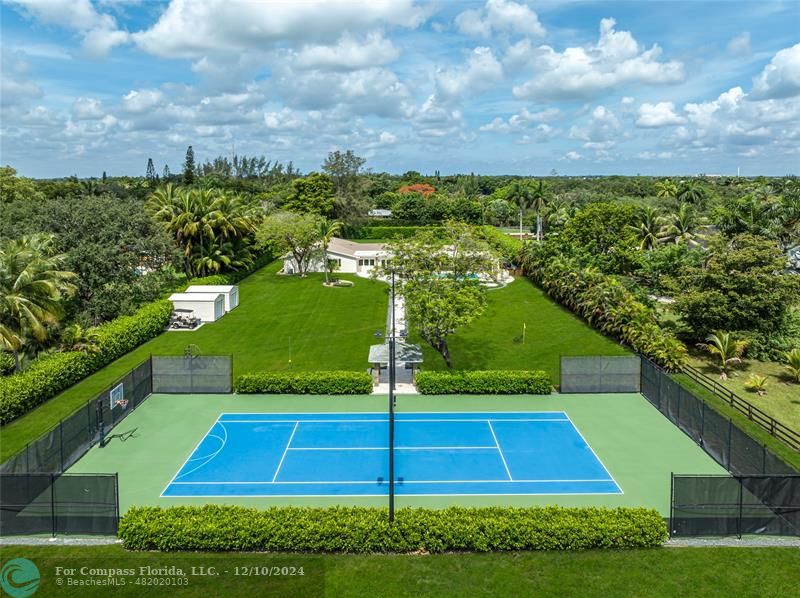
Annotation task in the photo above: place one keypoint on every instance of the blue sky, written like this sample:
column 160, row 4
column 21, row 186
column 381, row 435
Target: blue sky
column 492, row 87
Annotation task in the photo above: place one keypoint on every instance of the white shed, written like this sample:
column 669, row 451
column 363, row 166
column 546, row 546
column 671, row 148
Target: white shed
column 231, row 292
column 209, row 307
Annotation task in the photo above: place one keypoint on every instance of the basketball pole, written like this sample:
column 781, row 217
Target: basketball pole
column 391, row 407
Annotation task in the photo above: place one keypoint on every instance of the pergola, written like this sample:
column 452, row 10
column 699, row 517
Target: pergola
column 404, row 353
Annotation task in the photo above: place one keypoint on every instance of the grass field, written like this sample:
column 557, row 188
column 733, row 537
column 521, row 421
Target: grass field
column 667, row 572
column 782, row 399
column 494, row 341
column 327, row 329
column 638, row 446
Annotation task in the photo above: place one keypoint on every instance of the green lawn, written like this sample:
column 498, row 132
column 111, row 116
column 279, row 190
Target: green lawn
column 756, row 432
column 667, row 572
column 321, row 328
column 782, row 400
column 494, row 341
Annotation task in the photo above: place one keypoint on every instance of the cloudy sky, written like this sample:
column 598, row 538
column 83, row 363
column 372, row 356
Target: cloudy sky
column 491, row 86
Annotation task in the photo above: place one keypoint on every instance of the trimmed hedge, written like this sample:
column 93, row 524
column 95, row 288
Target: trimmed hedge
column 489, row 382
column 386, row 233
column 367, row 530
column 311, row 383
column 51, row 374
column 509, row 247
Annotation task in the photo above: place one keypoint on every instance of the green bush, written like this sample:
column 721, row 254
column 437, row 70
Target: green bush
column 509, row 247
column 51, row 374
column 7, row 364
column 367, row 530
column 491, row 382
column 385, row 233
column 311, row 383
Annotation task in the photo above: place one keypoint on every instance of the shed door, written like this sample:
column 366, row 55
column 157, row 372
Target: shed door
column 234, row 297
column 219, row 308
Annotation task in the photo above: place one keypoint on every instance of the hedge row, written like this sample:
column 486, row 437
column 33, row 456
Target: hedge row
column 489, row 382
column 312, row 383
column 51, row 374
column 385, row 232
column 367, row 530
column 509, row 247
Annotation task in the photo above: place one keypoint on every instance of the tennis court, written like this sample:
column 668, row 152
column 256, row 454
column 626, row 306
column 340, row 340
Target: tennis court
column 346, row 454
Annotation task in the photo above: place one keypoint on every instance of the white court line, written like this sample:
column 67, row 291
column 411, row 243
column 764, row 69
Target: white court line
column 401, row 496
column 296, row 423
column 383, row 421
column 403, row 482
column 564, row 413
column 196, row 446
column 386, row 448
column 210, row 457
column 499, row 450
column 595, row 455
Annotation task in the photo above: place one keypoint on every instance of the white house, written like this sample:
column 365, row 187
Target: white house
column 209, row 307
column 230, row 292
column 348, row 258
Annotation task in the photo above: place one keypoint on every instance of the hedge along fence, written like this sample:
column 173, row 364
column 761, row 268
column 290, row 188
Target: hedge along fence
column 312, row 383
column 509, row 247
column 51, row 374
column 489, row 382
column 367, row 530
column 386, row 232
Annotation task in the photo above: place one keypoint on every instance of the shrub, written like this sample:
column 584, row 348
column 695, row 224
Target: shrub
column 312, row 383
column 51, row 374
column 509, row 247
column 7, row 364
column 367, row 530
column 492, row 382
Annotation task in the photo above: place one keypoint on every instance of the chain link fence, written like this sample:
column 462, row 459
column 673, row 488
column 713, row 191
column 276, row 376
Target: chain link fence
column 600, row 374
column 706, row 505
column 48, row 503
column 60, row 447
column 193, row 374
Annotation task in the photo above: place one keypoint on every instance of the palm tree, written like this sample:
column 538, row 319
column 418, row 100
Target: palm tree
column 692, row 192
column 326, row 231
column 32, row 287
column 649, row 228
column 539, row 200
column 666, row 189
column 728, row 350
column 77, row 338
column 793, row 363
column 681, row 226
column 520, row 194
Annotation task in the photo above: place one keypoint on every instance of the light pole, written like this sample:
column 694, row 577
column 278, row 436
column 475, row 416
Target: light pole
column 392, row 375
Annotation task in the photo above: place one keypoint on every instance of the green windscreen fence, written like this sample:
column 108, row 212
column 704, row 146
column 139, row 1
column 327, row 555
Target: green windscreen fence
column 193, row 374
column 600, row 374
column 47, row 503
column 707, row 505
column 61, row 446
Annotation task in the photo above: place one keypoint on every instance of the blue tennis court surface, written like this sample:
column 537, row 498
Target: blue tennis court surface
column 346, row 454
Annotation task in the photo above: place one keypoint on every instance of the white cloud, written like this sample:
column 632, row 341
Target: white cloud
column 781, row 77
column 196, row 29
column 138, row 101
column 658, row 115
column 627, row 100
column 740, row 45
column 573, row 156
column 481, row 73
column 655, row 155
column 601, row 131
column 100, row 32
column 348, row 53
column 585, row 72
column 87, row 109
column 521, row 121
column 502, row 16
column 432, row 120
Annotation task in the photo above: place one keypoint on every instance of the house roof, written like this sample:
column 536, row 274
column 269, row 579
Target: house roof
column 210, row 288
column 196, row 297
column 350, row 248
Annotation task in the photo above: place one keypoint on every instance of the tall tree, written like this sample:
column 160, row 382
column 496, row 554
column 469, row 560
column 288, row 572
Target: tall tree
column 297, row 234
column 312, row 194
column 188, row 167
column 166, row 174
column 438, row 273
column 648, row 227
column 326, row 231
column 33, row 286
column 151, row 171
column 343, row 168
column 666, row 189
column 539, row 199
column 520, row 194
